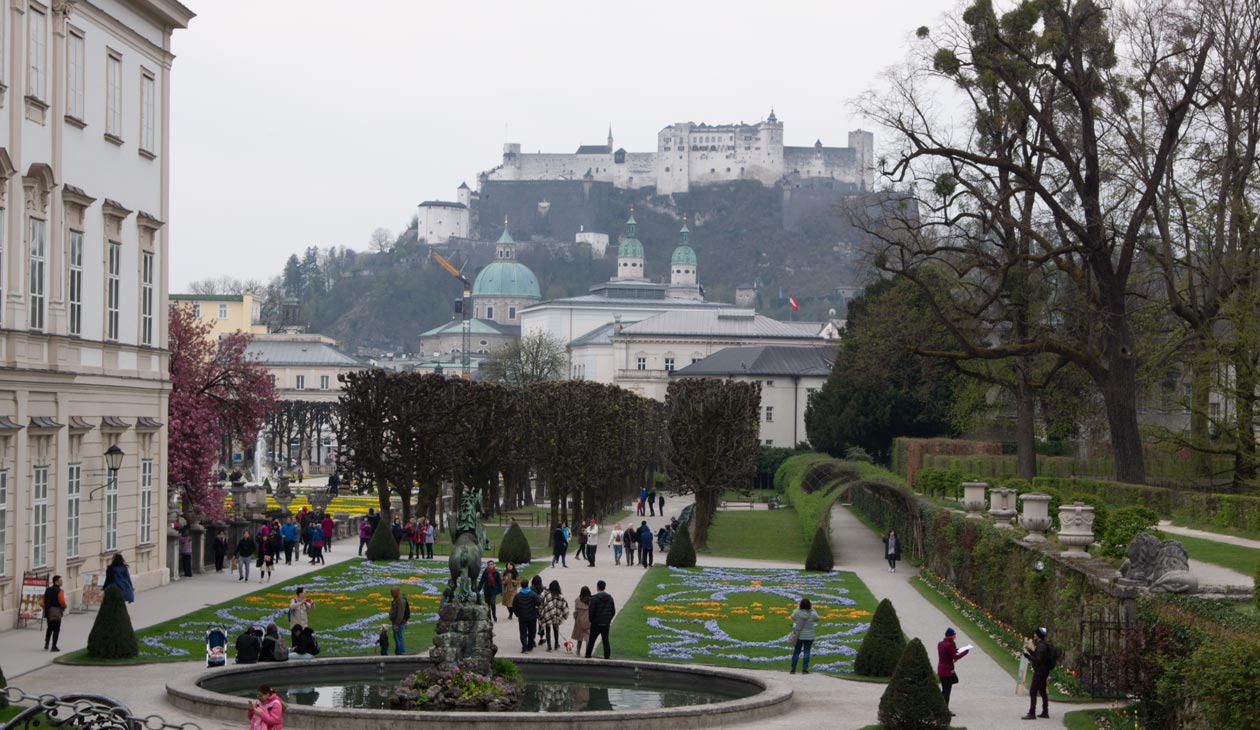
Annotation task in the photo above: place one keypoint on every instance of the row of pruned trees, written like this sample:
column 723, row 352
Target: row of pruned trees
column 1091, row 209
column 591, row 445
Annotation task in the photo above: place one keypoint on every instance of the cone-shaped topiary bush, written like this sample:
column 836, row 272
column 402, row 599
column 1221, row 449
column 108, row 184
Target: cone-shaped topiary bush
column 515, row 547
column 820, row 557
column 112, row 636
column 913, row 700
column 682, row 553
column 883, row 644
column 382, row 546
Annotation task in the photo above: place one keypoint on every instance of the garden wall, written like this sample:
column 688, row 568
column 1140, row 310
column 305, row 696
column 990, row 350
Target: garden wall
column 908, row 453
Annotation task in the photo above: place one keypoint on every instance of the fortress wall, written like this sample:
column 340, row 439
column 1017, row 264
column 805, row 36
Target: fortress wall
column 840, row 163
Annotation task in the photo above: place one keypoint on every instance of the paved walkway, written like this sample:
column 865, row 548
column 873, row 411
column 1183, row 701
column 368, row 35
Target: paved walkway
column 22, row 650
column 984, row 700
column 1168, row 527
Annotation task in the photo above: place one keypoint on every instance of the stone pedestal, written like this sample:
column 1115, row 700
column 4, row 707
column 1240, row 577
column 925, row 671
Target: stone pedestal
column 199, row 548
column 973, row 499
column 341, row 525
column 1002, row 506
column 1076, row 529
column 238, row 499
column 284, row 496
column 1036, row 517
column 464, row 636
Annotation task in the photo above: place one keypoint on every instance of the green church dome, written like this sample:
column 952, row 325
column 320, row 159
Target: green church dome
column 684, row 255
column 630, row 246
column 506, row 279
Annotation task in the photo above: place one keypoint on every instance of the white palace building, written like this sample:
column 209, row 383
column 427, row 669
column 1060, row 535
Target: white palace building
column 84, row 197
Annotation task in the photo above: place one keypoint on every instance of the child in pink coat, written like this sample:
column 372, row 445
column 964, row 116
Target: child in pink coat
column 267, row 713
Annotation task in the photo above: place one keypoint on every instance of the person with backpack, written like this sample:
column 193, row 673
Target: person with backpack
column 631, row 541
column 399, row 614
column 946, row 654
column 273, row 649
column 1043, row 657
column 54, row 609
column 525, row 605
column 645, row 545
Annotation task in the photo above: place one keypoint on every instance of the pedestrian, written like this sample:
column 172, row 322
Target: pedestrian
column 559, row 547
column 804, row 618
column 249, row 645
column 365, row 532
column 642, row 497
column 326, row 525
column 631, row 542
column 300, row 474
column 409, row 536
column 592, row 542
column 892, row 550
column 582, row 618
column 660, row 502
column 243, row 552
column 581, row 550
column 304, row 530
column 399, row 614
column 270, row 554
column 185, row 552
column 602, row 610
column 430, row 534
column 273, row 648
column 555, row 611
column 289, row 536
column 54, row 609
column 615, row 542
column 382, row 640
column 305, row 646
column 525, row 605
column 511, row 585
column 267, row 712
column 317, row 544
column 651, row 501
column 334, row 484
column 1041, row 656
column 490, row 585
column 220, row 550
column 947, row 654
column 645, row 545
column 118, row 575
column 300, row 607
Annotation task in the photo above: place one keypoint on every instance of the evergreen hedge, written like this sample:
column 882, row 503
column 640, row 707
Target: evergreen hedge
column 820, row 556
column 4, row 701
column 682, row 553
column 913, row 698
column 112, row 636
column 883, row 644
column 382, row 546
column 514, row 548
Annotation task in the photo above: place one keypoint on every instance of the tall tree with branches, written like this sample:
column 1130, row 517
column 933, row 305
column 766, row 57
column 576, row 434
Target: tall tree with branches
column 533, row 358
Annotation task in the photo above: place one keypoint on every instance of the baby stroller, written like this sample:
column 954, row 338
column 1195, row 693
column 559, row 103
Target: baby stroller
column 216, row 648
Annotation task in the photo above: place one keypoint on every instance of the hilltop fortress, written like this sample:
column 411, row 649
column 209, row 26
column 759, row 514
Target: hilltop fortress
column 698, row 154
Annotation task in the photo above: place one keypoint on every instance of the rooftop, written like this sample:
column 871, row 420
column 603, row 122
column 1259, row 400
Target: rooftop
column 207, row 297
column 300, row 350
column 723, row 322
column 595, row 301
column 476, row 327
column 764, row 360
column 594, row 149
column 441, row 204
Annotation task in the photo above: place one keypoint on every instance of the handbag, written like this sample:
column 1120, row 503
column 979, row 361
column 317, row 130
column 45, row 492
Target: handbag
column 794, row 636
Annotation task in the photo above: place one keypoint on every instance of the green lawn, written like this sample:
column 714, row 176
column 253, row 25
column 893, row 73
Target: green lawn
column 739, row 617
column 1234, row 557
column 757, row 534
column 1122, row 718
column 351, row 602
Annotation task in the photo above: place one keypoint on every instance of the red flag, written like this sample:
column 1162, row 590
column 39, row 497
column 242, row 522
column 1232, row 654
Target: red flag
column 795, row 305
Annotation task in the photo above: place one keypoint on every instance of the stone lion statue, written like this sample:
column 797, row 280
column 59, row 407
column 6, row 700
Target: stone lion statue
column 1163, row 566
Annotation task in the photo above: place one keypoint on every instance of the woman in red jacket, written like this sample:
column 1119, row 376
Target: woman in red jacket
column 326, row 525
column 947, row 654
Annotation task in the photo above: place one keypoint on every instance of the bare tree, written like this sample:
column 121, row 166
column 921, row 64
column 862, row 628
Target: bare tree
column 535, row 357
column 381, row 241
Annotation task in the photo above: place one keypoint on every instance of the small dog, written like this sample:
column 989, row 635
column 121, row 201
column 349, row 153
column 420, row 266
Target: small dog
column 568, row 646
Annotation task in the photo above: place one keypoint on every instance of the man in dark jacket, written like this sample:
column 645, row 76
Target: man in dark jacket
column 490, row 585
column 248, row 646
column 601, row 611
column 645, row 545
column 54, row 609
column 1041, row 658
column 399, row 614
column 525, row 606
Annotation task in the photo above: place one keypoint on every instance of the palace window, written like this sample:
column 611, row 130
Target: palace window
column 323, row 382
column 197, row 310
column 38, row 278
column 111, row 512
column 489, row 312
column 300, row 382
column 223, row 311
column 769, row 414
column 75, row 55
column 74, row 490
column 146, row 501
column 146, row 299
column 39, row 517
column 147, row 123
column 113, row 95
column 113, row 290
column 76, row 283
column 640, row 363
column 37, row 78
column 4, row 516
column 669, row 364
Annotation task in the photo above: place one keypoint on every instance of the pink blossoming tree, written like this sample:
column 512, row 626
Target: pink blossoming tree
column 216, row 390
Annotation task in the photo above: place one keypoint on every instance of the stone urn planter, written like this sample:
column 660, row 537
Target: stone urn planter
column 1076, row 529
column 973, row 499
column 284, row 497
column 1002, row 506
column 318, row 500
column 1036, row 517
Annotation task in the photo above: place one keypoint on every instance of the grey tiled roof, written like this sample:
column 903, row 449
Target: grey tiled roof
column 722, row 323
column 594, row 149
column 299, row 352
column 764, row 360
column 441, row 204
column 597, row 336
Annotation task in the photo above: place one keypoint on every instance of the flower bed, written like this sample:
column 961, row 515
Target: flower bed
column 1064, row 680
column 741, row 617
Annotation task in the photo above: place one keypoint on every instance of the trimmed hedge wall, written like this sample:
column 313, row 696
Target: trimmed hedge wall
column 1237, row 511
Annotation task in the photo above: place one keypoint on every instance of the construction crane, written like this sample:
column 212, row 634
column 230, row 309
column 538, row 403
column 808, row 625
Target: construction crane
column 463, row 307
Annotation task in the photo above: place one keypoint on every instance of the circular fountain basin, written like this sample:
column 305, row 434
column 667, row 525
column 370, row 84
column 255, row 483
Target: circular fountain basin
column 351, row 693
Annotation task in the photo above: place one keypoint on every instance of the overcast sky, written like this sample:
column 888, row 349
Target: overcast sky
column 313, row 122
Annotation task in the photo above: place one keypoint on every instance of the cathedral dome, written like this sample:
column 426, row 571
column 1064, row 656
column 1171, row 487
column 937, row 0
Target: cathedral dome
column 630, row 247
column 506, row 279
column 684, row 255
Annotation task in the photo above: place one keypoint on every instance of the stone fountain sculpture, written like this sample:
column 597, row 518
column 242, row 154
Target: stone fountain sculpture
column 1162, row 566
column 465, row 634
